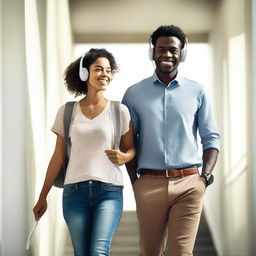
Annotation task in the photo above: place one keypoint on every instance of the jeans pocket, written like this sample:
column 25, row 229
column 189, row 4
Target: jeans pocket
column 112, row 188
column 69, row 189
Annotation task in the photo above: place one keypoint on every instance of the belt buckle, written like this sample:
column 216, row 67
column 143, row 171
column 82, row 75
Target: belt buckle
column 167, row 174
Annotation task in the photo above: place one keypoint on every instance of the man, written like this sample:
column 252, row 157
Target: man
column 167, row 111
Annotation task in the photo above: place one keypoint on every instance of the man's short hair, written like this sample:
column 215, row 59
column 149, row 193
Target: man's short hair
column 168, row 30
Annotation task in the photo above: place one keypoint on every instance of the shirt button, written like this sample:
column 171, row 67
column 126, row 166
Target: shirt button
column 90, row 182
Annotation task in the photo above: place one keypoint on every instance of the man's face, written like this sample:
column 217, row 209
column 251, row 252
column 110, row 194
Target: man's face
column 167, row 54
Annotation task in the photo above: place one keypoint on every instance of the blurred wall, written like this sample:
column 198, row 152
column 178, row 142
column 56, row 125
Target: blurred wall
column 252, row 92
column 13, row 128
column 228, row 205
column 1, row 133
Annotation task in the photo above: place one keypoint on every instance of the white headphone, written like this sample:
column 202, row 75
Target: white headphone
column 183, row 53
column 83, row 72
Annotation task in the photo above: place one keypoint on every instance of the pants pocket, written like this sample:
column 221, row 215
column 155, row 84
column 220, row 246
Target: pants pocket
column 69, row 189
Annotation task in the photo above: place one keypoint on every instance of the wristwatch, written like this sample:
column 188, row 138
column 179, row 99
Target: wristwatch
column 209, row 178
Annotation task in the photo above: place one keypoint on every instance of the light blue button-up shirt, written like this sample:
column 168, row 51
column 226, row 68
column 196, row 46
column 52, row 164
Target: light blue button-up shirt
column 166, row 121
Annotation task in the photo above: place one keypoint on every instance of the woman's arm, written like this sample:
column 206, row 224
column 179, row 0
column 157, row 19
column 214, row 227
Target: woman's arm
column 127, row 148
column 51, row 174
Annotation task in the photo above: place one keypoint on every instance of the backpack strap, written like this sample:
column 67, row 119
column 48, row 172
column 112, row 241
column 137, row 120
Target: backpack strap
column 59, row 181
column 67, row 120
column 115, row 107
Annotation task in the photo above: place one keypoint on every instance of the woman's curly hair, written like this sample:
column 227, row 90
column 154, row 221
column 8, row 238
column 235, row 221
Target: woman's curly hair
column 71, row 76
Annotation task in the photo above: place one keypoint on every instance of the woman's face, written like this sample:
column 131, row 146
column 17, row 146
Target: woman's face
column 100, row 74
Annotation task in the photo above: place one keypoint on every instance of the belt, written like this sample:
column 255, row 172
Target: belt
column 169, row 173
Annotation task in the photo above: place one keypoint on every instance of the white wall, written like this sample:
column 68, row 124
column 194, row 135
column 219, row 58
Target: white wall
column 13, row 123
column 228, row 207
column 1, row 135
column 253, row 124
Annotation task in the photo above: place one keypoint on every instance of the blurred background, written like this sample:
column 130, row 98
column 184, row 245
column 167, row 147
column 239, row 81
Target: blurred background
column 39, row 38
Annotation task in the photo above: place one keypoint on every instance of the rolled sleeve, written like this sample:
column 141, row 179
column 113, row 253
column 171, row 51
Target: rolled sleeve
column 210, row 137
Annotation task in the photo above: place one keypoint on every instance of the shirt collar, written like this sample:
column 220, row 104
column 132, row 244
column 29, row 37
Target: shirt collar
column 176, row 81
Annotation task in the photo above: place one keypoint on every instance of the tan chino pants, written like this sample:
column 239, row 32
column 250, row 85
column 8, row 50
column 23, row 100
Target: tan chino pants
column 168, row 211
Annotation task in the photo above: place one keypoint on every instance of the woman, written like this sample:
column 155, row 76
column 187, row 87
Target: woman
column 92, row 196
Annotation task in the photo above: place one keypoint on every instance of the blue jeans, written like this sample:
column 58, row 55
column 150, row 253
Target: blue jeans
column 92, row 210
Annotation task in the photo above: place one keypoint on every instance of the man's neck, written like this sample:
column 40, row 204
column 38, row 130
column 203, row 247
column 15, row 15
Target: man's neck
column 166, row 78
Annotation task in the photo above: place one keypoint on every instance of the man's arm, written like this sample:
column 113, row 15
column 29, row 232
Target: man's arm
column 131, row 169
column 210, row 137
column 133, row 164
column 210, row 156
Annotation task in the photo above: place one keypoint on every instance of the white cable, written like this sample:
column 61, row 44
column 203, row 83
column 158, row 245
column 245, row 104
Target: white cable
column 31, row 235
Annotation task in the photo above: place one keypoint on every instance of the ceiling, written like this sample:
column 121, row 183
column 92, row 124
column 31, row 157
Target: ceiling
column 134, row 20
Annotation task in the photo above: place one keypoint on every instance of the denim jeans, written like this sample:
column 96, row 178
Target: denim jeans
column 92, row 210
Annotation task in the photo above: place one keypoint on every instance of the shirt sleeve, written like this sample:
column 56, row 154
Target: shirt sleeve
column 58, row 125
column 125, row 119
column 135, row 121
column 210, row 137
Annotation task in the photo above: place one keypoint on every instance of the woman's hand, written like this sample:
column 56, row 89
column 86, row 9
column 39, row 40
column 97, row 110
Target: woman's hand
column 117, row 157
column 40, row 208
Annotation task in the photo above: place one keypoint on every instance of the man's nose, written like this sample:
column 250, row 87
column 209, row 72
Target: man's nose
column 168, row 53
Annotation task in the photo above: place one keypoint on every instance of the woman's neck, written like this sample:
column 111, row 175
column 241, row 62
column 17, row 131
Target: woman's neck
column 94, row 98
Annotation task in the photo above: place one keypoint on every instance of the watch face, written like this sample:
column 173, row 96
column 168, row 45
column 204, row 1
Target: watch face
column 210, row 179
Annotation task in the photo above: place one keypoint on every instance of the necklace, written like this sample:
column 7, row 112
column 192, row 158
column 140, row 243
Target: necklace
column 91, row 110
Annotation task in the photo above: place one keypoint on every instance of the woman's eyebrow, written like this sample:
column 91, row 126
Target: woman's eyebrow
column 99, row 66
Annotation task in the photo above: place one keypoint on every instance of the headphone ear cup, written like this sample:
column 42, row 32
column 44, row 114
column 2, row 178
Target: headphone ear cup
column 83, row 74
column 183, row 53
column 150, row 54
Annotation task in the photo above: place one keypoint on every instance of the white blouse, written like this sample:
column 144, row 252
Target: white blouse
column 90, row 139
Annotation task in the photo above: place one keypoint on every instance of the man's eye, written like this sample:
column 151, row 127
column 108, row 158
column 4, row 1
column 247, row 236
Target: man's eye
column 161, row 50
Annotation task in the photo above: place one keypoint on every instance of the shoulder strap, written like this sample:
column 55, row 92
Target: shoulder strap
column 67, row 119
column 116, row 117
